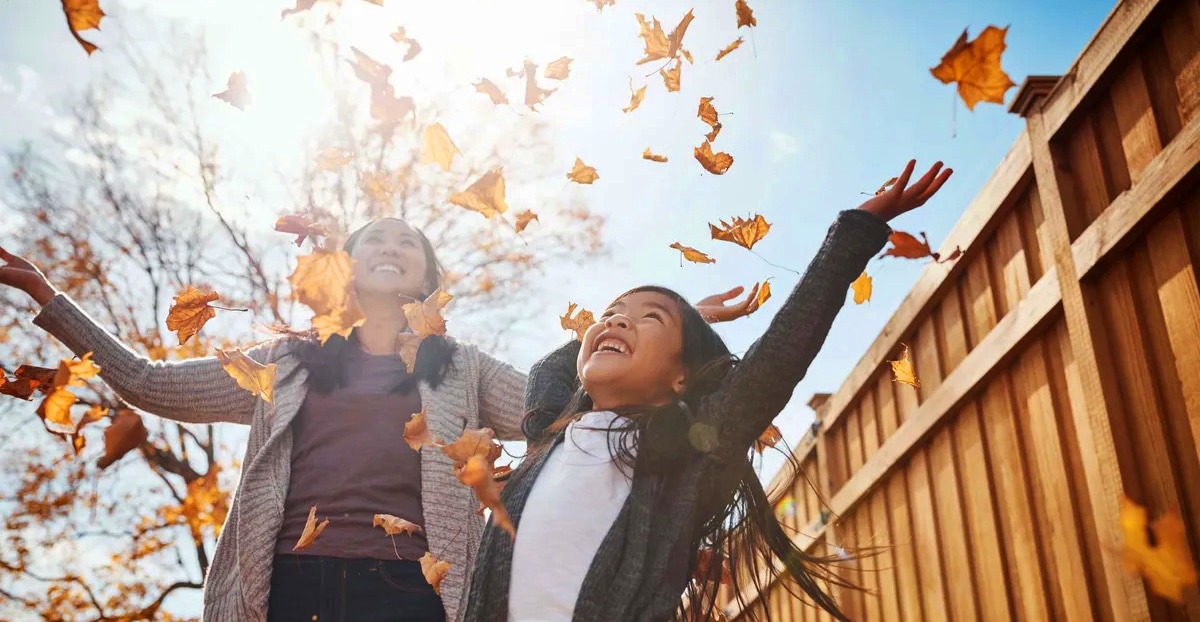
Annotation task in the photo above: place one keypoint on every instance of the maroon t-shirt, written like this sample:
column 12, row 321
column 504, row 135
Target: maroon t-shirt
column 349, row 459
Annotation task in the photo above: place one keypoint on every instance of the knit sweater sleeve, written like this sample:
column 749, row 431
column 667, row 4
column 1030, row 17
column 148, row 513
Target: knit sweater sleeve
column 553, row 381
column 501, row 391
column 191, row 391
column 758, row 388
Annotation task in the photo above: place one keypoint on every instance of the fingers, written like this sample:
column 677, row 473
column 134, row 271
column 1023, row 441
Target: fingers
column 902, row 181
column 919, row 188
column 936, row 185
column 5, row 255
column 731, row 294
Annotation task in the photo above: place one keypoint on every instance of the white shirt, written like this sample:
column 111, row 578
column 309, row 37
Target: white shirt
column 570, row 510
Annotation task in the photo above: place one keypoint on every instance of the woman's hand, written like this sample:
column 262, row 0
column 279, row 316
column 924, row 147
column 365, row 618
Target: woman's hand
column 19, row 273
column 901, row 198
column 714, row 309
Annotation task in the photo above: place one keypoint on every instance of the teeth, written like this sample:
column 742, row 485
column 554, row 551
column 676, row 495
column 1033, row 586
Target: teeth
column 387, row 267
column 612, row 345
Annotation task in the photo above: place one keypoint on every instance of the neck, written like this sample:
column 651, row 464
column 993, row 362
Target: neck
column 384, row 321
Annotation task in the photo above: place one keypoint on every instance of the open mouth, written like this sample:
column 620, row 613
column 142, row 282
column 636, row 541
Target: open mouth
column 390, row 268
column 612, row 345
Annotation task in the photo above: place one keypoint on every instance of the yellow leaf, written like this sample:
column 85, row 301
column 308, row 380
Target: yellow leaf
column 436, row 146
column 647, row 155
column 434, row 570
column 250, row 375
column 311, row 530
column 378, row 185
column 635, row 97
column 729, row 48
column 523, row 220
column 485, row 196
column 600, row 4
column 659, row 45
column 708, row 114
column 579, row 323
column 477, row 474
column 743, row 232
column 672, row 76
column 489, row 88
column 416, row 431
column 975, row 66
column 190, row 312
column 715, row 163
column 72, row 373
column 333, row 158
column 83, row 15
column 408, row 345
column 764, row 292
column 340, row 321
column 582, row 173
column 862, row 289
column 322, row 280
column 903, row 370
column 692, row 254
column 394, row 525
column 425, row 318
column 559, row 69
column 56, row 409
column 688, row 55
column 236, row 93
column 1159, row 552
column 745, row 17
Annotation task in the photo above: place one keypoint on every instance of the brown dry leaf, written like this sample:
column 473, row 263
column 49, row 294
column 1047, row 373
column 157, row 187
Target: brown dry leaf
column 647, row 155
column 907, row 246
column 311, row 530
column 436, row 146
column 489, row 88
column 672, row 76
column 55, row 410
column 635, row 97
column 729, row 48
column 407, row 346
column 523, row 220
column 367, row 69
column 745, row 17
column 401, row 37
column 768, row 438
column 416, row 431
column 28, row 379
column 301, row 226
column 579, row 323
column 83, row 15
column 692, row 254
column 704, row 567
column 378, row 185
column 321, row 280
column 559, row 69
column 975, row 66
column 301, row 5
column 250, row 375
column 340, row 321
column 688, row 55
column 394, row 525
column 1158, row 551
column 236, row 93
column 190, row 312
column 534, row 94
column 477, row 475
column 764, row 292
column 333, row 158
column 887, row 184
column 742, row 231
column 480, row 442
column 485, row 196
column 708, row 114
column 125, row 434
column 44, row 377
column 903, row 370
column 658, row 45
column 600, row 4
column 582, row 173
column 425, row 317
column 389, row 109
column 434, row 570
column 862, row 289
column 715, row 163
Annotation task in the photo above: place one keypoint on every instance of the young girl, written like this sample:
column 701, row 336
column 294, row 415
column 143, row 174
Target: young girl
column 630, row 478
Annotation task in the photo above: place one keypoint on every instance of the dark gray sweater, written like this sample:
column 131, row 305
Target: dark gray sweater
column 643, row 565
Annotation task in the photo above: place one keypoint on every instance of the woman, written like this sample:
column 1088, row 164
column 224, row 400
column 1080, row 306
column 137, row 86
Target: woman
column 333, row 437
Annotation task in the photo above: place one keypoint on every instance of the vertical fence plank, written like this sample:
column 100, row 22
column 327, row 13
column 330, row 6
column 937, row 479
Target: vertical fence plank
column 885, row 564
column 904, row 546
column 1135, row 119
column 952, row 534
column 925, row 529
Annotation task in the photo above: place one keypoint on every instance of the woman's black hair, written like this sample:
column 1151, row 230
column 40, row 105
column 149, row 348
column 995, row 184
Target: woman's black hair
column 328, row 364
column 736, row 521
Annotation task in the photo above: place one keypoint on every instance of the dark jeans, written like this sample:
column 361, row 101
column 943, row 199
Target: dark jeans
column 307, row 588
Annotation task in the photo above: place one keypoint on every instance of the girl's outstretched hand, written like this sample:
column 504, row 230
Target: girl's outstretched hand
column 901, row 197
column 714, row 309
column 19, row 273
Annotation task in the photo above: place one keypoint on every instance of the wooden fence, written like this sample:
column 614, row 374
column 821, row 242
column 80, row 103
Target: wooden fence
column 1059, row 361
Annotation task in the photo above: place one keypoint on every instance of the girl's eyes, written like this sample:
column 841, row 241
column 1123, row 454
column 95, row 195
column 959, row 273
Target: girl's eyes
column 655, row 315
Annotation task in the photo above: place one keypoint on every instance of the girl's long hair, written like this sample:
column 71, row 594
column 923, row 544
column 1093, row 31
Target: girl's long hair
column 736, row 522
column 328, row 364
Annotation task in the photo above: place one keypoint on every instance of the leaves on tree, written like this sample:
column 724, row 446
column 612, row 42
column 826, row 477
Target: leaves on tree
column 236, row 93
column 692, row 254
column 559, row 69
column 250, row 375
column 647, row 155
column 311, row 530
column 658, row 45
column 416, row 431
column 190, row 312
column 301, row 226
column 434, row 570
column 83, row 15
column 708, row 114
column 975, row 67
column 745, row 232
column 582, row 173
column 401, row 37
column 906, row 246
column 125, row 434
column 902, row 369
column 745, row 17
column 729, row 48
column 635, row 98
column 485, row 196
column 425, row 317
column 437, row 147
column 523, row 220
column 861, row 288
column 489, row 88
column 579, row 322
column 394, row 525
column 715, row 163
column 768, row 438
column 672, row 76
column 1158, row 551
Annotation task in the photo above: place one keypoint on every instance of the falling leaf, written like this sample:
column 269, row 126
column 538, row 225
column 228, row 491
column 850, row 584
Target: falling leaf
column 236, row 93
column 389, row 109
column 692, row 254
column 367, row 69
column 25, row 384
column 903, row 370
column 434, row 570
column 378, row 185
column 301, row 226
column 729, row 48
column 125, row 434
column 743, row 232
column 489, row 88
column 44, row 377
column 394, row 525
column 401, row 37
column 600, row 4
column 975, row 66
column 708, row 114
column 764, row 293
column 768, row 438
column 436, row 146
column 523, row 220
column 425, row 318
column 73, row 373
column 473, row 442
column 83, row 15
column 672, row 76
column 250, row 375
column 559, row 69
column 715, row 163
column 647, row 155
column 906, row 246
column 745, row 17
column 301, row 5
column 887, row 184
column 635, row 97
column 311, row 530
column 190, row 312
column 862, row 289
column 321, row 280
column 582, row 173
column 688, row 55
column 485, row 196
column 579, row 323
column 333, row 158
column 416, row 431
column 704, row 567
column 1158, row 551
column 55, row 409
column 341, row 321
column 407, row 346
column 534, row 94
column 658, row 45
column 477, row 474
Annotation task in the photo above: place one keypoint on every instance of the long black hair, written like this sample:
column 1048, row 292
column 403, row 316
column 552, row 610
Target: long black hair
column 735, row 520
column 328, row 364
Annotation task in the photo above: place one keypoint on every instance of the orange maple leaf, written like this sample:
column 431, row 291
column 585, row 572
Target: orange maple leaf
column 402, row 37
column 671, row 77
column 659, row 45
column 434, row 570
column 692, row 254
column 379, row 185
column 559, row 69
column 534, row 94
column 903, row 370
column 862, row 289
column 394, row 525
column 729, row 48
column 250, row 375
column 340, row 321
column 83, row 15
column 907, row 246
column 975, row 66
column 485, row 196
column 523, row 220
column 301, row 226
column 582, row 173
column 480, row 442
column 436, row 146
column 647, row 155
column 425, row 317
column 715, row 163
column 742, row 231
column 1158, row 551
column 322, row 280
column 477, row 475
column 55, row 410
column 768, row 438
column 635, row 97
column 489, row 88
column 708, row 114
column 73, row 373
column 416, row 431
column 579, row 323
column 190, row 312
column 745, row 17
column 125, row 434
column 764, row 293
column 236, row 92
column 311, row 530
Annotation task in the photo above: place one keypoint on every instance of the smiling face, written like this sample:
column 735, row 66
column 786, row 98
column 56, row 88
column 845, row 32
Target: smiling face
column 390, row 260
column 634, row 354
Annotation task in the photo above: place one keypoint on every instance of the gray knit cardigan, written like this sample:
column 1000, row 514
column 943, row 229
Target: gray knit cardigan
column 648, row 556
column 478, row 391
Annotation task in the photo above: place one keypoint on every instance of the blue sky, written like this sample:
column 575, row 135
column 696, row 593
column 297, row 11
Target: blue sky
column 826, row 100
